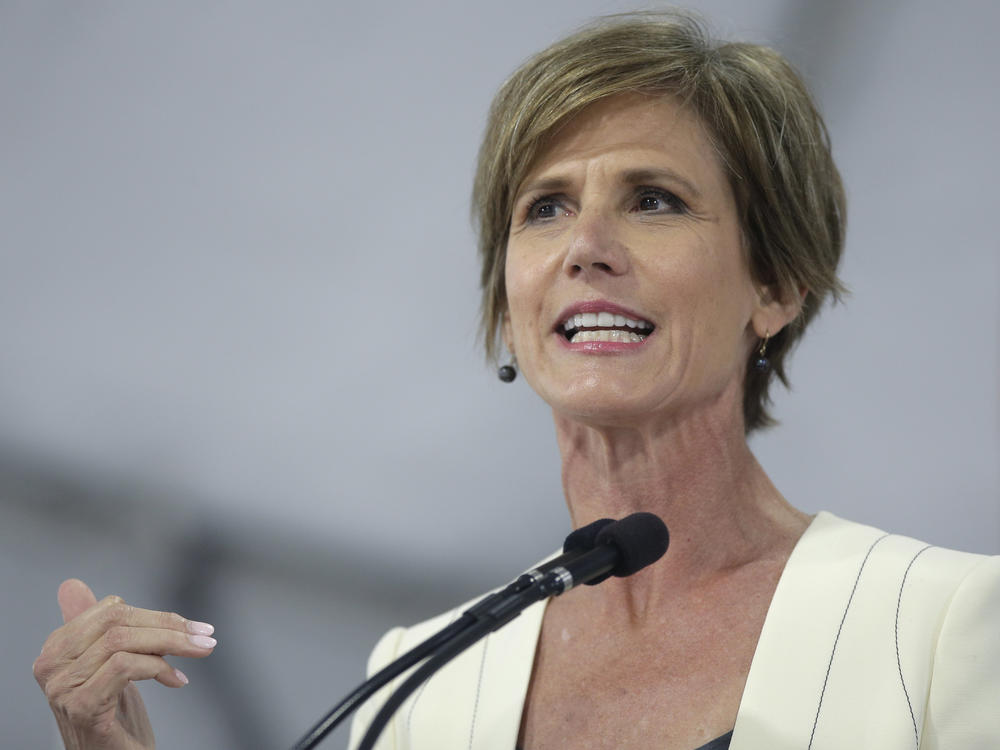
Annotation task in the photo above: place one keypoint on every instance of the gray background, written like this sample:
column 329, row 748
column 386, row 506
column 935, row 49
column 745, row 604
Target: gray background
column 238, row 302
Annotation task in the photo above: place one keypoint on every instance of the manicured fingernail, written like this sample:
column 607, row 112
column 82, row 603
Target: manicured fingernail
column 202, row 641
column 200, row 628
column 181, row 676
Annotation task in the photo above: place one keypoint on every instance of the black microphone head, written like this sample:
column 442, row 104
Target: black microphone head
column 584, row 538
column 641, row 539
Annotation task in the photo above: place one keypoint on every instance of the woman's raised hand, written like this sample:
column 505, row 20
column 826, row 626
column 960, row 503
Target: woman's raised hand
column 87, row 667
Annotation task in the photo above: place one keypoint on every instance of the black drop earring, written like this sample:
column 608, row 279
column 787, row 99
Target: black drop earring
column 508, row 372
column 762, row 363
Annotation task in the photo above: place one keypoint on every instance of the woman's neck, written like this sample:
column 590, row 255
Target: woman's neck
column 699, row 476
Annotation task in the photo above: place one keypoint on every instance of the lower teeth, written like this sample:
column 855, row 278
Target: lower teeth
column 624, row 337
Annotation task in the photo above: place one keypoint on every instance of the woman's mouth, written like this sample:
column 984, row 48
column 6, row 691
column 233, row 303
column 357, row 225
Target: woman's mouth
column 605, row 327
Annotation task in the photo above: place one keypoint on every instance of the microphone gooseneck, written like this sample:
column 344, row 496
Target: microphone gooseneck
column 578, row 542
column 621, row 548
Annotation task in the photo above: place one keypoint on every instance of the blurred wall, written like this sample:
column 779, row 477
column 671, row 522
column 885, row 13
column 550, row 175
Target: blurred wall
column 238, row 309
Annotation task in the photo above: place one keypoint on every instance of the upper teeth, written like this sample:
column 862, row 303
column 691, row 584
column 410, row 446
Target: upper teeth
column 603, row 320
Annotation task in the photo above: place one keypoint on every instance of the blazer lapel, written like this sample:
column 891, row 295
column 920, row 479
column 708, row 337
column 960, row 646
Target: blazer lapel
column 816, row 660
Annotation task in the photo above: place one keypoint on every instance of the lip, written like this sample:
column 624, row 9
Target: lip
column 596, row 306
column 599, row 347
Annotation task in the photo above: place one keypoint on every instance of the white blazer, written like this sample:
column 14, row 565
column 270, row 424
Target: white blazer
column 872, row 640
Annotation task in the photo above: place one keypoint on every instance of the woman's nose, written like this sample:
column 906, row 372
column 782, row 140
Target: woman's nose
column 595, row 248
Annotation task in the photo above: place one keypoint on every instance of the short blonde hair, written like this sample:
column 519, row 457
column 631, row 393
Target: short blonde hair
column 763, row 123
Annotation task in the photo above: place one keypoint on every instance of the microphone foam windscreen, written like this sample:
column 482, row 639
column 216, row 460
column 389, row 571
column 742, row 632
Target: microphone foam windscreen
column 641, row 539
column 584, row 538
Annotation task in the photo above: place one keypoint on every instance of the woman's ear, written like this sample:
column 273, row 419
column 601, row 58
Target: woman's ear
column 775, row 310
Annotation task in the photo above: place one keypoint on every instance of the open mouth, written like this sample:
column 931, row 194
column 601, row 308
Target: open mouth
column 605, row 326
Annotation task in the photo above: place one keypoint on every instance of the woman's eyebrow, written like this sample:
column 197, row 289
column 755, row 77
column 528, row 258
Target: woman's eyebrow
column 638, row 176
column 651, row 174
column 554, row 183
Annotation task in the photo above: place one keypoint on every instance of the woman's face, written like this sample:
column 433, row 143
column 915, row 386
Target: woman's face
column 628, row 289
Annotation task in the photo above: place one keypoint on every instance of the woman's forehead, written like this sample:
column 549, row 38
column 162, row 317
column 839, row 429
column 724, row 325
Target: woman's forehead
column 640, row 129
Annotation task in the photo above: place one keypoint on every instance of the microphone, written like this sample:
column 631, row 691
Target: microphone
column 621, row 549
column 580, row 541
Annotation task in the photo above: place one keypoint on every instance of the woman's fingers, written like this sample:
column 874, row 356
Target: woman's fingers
column 100, row 693
column 88, row 623
column 123, row 667
column 150, row 641
column 95, row 632
column 121, row 640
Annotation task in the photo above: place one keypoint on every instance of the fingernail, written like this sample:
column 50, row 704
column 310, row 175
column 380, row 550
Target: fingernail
column 181, row 676
column 200, row 628
column 202, row 641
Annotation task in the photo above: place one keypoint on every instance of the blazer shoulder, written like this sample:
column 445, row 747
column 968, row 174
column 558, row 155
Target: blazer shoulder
column 883, row 555
column 869, row 641
column 965, row 687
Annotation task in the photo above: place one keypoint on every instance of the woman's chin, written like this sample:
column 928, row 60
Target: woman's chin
column 605, row 409
column 605, row 402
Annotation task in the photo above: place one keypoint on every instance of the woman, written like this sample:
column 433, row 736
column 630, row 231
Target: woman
column 660, row 219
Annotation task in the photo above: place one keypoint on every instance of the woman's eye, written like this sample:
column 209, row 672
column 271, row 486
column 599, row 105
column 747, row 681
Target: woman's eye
column 545, row 207
column 659, row 200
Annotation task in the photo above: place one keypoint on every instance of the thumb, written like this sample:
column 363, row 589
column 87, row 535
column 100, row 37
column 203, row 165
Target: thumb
column 75, row 597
